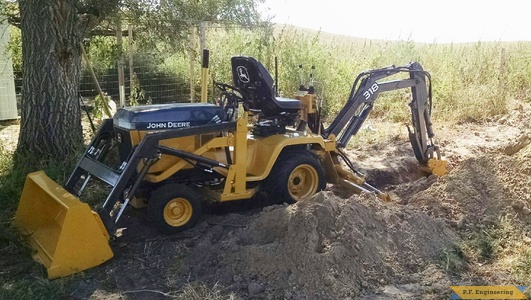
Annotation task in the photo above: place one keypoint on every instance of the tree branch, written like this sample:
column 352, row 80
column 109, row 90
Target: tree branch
column 13, row 20
column 106, row 32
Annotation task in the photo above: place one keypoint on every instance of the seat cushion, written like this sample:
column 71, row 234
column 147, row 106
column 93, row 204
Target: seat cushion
column 286, row 103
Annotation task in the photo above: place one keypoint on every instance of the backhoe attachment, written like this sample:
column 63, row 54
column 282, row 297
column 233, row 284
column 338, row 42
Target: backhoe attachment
column 365, row 90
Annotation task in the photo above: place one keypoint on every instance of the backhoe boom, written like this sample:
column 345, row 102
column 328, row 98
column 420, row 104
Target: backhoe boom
column 365, row 90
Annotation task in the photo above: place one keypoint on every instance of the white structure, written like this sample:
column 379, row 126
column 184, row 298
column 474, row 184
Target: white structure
column 8, row 100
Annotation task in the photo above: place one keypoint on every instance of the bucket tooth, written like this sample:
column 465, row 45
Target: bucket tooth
column 66, row 234
column 437, row 167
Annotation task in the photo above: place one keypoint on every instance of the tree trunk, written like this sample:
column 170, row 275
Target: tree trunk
column 50, row 129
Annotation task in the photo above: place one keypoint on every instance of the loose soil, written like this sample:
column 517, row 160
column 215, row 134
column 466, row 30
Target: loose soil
column 339, row 245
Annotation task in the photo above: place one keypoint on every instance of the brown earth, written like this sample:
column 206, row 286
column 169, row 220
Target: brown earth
column 337, row 245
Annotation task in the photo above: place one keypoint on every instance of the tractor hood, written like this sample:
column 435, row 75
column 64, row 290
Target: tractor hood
column 167, row 116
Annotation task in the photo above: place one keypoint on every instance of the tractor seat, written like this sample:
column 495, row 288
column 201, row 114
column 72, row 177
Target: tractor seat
column 256, row 84
column 287, row 103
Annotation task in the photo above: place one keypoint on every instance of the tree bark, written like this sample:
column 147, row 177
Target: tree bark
column 50, row 129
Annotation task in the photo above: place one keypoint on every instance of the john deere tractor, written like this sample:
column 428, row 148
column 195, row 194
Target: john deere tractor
column 171, row 157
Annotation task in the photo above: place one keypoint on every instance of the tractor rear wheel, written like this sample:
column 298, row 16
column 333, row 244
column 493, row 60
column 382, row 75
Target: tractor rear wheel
column 296, row 175
column 174, row 208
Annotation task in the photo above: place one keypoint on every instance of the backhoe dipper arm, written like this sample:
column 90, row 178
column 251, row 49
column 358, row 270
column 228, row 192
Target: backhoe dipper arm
column 364, row 93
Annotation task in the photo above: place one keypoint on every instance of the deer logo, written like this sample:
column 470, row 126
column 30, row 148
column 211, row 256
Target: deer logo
column 243, row 75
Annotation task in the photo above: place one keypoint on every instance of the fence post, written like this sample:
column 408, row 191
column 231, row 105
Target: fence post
column 202, row 38
column 204, row 75
column 204, row 62
column 106, row 108
column 121, row 79
column 191, row 54
column 131, row 69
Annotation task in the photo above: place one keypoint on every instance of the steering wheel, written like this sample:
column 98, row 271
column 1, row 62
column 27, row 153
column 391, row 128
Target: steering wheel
column 224, row 87
column 229, row 99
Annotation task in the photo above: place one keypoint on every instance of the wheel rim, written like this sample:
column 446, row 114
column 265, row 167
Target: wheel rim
column 178, row 212
column 303, row 182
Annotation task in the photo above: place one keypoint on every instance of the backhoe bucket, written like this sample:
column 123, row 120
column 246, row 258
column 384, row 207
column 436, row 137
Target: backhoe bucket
column 67, row 235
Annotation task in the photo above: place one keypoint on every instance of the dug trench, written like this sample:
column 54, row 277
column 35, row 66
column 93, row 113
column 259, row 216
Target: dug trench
column 338, row 245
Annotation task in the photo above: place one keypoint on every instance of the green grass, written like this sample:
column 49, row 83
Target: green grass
column 453, row 260
column 501, row 246
column 488, row 241
column 32, row 288
column 522, row 267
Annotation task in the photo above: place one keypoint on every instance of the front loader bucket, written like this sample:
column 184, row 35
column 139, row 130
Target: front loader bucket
column 67, row 235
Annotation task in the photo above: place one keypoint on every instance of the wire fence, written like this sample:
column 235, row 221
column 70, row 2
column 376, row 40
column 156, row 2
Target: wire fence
column 148, row 87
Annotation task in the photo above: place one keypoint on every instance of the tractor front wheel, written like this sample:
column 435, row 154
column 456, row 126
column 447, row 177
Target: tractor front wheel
column 174, row 208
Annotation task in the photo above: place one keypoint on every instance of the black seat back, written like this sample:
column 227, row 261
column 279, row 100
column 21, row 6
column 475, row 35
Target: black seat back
column 255, row 82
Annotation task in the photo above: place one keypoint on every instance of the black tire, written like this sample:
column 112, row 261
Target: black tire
column 296, row 175
column 174, row 208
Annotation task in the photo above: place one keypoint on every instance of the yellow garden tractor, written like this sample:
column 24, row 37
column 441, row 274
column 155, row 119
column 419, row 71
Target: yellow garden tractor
column 171, row 157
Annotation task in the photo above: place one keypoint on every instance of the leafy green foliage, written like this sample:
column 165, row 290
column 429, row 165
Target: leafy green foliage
column 137, row 95
column 172, row 21
column 101, row 106
column 103, row 52
column 29, row 288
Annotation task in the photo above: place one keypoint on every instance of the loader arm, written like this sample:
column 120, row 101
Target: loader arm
column 365, row 90
column 66, row 233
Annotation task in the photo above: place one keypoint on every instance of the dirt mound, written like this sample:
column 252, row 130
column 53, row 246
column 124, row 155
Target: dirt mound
column 325, row 248
column 479, row 189
column 336, row 247
column 470, row 192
